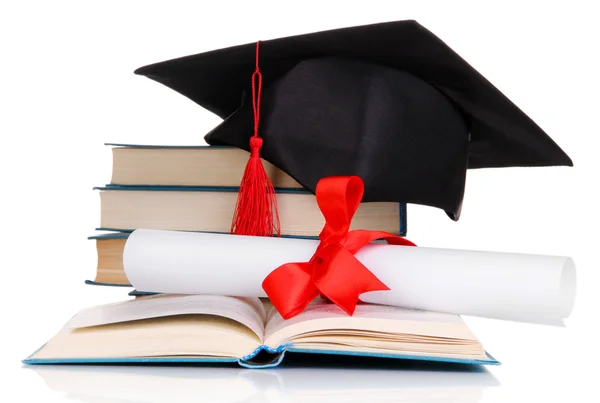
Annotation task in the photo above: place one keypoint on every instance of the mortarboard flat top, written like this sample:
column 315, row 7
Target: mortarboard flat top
column 389, row 102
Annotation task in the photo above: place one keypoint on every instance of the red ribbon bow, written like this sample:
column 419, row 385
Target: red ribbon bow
column 333, row 271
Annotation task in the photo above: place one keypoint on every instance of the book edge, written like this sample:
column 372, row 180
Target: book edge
column 244, row 361
column 91, row 282
column 164, row 146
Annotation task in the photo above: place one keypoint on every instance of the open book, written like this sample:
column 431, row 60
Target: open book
column 210, row 328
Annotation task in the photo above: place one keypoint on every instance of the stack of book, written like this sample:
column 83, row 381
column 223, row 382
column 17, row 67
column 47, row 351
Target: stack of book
column 195, row 189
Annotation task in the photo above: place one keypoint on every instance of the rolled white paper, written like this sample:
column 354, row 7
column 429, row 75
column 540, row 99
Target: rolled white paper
column 529, row 288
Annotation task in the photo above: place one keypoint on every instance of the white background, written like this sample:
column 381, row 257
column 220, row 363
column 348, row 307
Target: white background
column 66, row 87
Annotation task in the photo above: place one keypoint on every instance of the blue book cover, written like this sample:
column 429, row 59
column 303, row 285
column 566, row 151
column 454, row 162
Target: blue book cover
column 136, row 293
column 260, row 359
column 158, row 146
column 110, row 235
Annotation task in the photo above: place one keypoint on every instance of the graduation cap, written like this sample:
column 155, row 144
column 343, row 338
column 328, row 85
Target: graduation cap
column 388, row 102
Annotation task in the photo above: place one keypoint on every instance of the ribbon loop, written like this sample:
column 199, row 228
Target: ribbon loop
column 333, row 271
column 292, row 288
column 338, row 198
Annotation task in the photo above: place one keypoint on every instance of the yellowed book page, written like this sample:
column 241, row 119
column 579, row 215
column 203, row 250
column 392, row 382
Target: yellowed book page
column 111, row 277
column 212, row 212
column 372, row 327
column 110, row 261
column 247, row 311
column 181, row 335
column 207, row 166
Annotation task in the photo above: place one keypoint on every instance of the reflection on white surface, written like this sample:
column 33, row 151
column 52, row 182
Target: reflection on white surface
column 306, row 383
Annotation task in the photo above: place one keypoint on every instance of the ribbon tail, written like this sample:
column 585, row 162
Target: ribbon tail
column 356, row 239
column 290, row 288
column 345, row 280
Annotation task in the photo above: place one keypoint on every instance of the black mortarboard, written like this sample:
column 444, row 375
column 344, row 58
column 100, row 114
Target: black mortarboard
column 389, row 102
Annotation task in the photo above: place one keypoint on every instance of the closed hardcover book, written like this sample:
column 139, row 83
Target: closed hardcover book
column 199, row 166
column 109, row 270
column 126, row 208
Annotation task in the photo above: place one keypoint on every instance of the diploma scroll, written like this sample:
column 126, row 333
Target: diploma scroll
column 529, row 288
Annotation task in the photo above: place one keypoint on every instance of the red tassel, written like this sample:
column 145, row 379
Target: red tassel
column 256, row 208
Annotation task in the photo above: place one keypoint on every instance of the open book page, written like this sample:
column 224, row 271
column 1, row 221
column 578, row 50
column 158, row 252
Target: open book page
column 247, row 311
column 162, row 325
column 374, row 328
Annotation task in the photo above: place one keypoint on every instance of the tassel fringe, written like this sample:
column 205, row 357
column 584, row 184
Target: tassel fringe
column 256, row 208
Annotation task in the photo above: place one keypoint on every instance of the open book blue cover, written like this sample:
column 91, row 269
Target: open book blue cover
column 262, row 357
